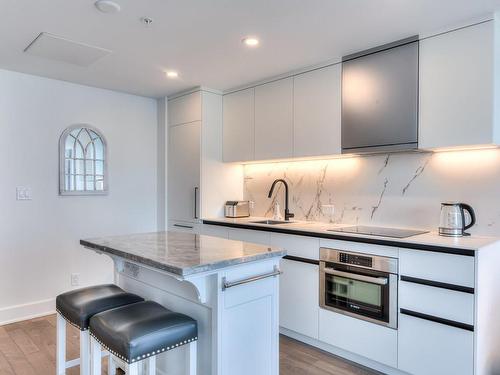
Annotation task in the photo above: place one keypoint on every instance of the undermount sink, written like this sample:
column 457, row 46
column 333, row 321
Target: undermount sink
column 271, row 222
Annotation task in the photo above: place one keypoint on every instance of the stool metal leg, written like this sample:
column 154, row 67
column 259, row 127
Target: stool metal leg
column 96, row 357
column 133, row 368
column 193, row 358
column 61, row 345
column 84, row 353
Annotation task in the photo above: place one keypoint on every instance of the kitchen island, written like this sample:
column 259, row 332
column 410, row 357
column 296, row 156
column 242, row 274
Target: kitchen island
column 229, row 287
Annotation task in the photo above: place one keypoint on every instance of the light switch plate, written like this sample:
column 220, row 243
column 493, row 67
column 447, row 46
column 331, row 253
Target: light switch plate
column 23, row 193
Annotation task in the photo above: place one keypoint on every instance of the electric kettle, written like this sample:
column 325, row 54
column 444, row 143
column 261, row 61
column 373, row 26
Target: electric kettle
column 453, row 219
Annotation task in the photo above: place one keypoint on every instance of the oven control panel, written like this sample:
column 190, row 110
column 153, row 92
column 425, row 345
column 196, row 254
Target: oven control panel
column 356, row 260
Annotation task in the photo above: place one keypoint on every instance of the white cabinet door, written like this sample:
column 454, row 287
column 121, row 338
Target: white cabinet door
column 214, row 230
column 249, row 323
column 299, row 298
column 239, row 121
column 273, row 120
column 456, row 88
column 429, row 348
column 184, row 172
column 184, row 109
column 316, row 112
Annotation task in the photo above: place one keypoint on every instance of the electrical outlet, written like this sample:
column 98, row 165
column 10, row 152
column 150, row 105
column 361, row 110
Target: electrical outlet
column 23, row 193
column 75, row 279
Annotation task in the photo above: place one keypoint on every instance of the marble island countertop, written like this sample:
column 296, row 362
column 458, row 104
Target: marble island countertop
column 180, row 253
column 427, row 241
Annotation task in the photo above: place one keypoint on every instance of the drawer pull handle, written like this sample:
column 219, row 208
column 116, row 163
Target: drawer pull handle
column 229, row 284
column 436, row 319
column 183, row 226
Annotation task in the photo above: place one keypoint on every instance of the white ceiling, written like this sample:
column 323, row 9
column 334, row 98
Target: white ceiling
column 201, row 38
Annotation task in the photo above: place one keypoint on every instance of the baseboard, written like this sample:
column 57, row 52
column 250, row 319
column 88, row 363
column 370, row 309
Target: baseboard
column 13, row 314
column 352, row 357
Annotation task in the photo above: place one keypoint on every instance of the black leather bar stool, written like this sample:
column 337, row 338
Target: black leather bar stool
column 139, row 332
column 77, row 307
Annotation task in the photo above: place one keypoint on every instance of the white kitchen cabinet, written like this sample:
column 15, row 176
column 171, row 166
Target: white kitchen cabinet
column 247, row 235
column 440, row 267
column 239, row 126
column 214, row 230
column 299, row 299
column 249, row 348
column 358, row 336
column 316, row 112
column 274, row 120
column 457, row 88
column 430, row 348
column 184, row 109
column 184, row 171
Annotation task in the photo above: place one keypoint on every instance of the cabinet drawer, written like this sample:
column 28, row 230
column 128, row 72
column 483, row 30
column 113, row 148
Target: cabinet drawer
column 430, row 348
column 446, row 268
column 248, row 235
column 214, row 230
column 182, row 226
column 358, row 336
column 297, row 245
column 440, row 302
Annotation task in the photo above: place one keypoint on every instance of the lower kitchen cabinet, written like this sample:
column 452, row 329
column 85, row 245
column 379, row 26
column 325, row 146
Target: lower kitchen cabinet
column 358, row 336
column 247, row 235
column 214, row 230
column 430, row 348
column 299, row 298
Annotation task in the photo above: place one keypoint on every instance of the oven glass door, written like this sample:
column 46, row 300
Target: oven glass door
column 361, row 291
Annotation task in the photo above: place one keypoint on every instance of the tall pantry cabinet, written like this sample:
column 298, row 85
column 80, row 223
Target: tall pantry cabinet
column 198, row 182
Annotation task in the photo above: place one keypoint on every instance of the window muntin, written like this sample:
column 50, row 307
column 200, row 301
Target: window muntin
column 82, row 161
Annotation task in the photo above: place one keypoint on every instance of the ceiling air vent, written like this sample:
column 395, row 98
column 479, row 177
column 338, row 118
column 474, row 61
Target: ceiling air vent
column 57, row 48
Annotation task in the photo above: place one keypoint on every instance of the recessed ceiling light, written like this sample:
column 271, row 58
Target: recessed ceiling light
column 250, row 41
column 172, row 74
column 107, row 6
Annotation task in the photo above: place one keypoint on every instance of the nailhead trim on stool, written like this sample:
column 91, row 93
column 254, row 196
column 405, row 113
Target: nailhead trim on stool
column 70, row 322
column 140, row 358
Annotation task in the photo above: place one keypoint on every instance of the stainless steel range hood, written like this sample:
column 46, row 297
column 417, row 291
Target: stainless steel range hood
column 380, row 99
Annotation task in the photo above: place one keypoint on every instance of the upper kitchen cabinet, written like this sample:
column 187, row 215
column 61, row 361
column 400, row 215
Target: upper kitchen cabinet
column 184, row 109
column 316, row 112
column 274, row 120
column 239, row 126
column 457, row 88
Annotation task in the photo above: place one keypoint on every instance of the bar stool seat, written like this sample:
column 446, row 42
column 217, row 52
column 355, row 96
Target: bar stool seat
column 140, row 331
column 76, row 308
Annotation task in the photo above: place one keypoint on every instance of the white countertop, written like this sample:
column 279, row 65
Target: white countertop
column 429, row 239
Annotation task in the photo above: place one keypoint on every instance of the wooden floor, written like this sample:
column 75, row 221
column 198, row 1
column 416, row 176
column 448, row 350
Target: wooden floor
column 28, row 348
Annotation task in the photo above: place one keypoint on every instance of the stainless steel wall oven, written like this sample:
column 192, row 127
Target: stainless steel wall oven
column 364, row 286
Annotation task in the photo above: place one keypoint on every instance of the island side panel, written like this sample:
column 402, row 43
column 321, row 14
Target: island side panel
column 180, row 296
column 249, row 321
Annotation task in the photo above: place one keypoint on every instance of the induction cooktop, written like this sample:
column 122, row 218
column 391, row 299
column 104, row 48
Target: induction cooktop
column 379, row 231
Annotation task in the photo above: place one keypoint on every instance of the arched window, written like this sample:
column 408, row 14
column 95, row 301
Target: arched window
column 82, row 161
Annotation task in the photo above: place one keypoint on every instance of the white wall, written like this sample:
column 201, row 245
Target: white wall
column 39, row 246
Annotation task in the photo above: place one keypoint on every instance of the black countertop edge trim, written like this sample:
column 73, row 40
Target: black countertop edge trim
column 437, row 284
column 332, row 236
column 436, row 319
column 300, row 259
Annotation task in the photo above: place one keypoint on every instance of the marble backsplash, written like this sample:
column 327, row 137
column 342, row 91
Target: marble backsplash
column 402, row 190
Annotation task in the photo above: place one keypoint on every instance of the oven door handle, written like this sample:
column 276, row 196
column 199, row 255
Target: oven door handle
column 354, row 276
